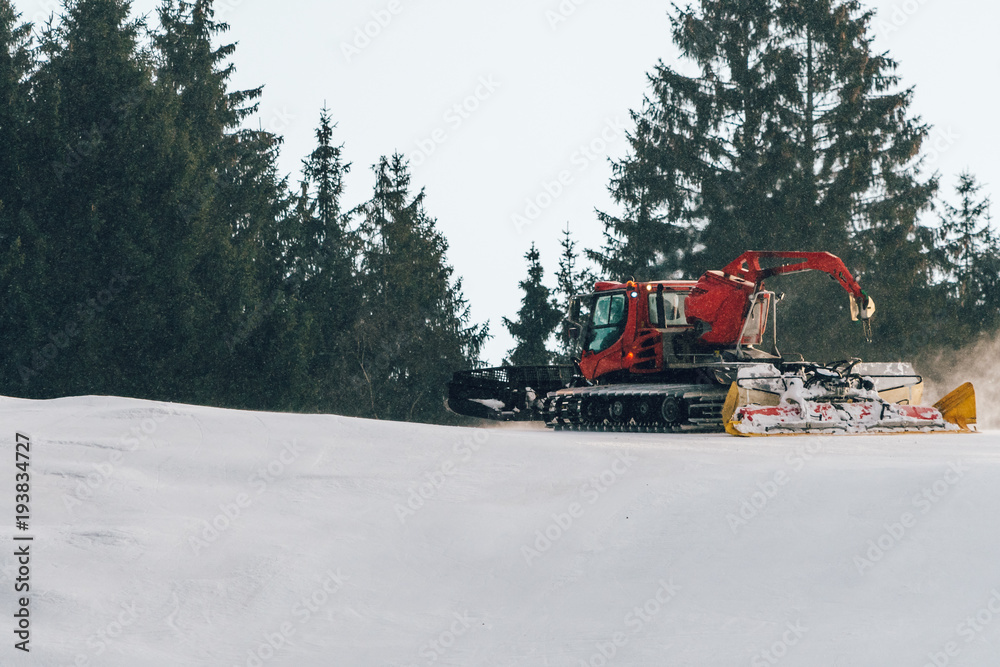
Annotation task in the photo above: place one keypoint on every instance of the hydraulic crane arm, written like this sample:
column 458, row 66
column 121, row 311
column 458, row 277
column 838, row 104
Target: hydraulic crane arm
column 747, row 267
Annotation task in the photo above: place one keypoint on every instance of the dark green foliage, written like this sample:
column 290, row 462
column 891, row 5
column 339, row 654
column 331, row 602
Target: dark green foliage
column 536, row 320
column 21, row 243
column 793, row 135
column 320, row 250
column 413, row 328
column 97, row 156
column 150, row 248
column 224, row 188
column 570, row 281
column 970, row 259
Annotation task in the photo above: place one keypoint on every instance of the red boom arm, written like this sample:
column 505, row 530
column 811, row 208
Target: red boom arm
column 747, row 267
column 721, row 298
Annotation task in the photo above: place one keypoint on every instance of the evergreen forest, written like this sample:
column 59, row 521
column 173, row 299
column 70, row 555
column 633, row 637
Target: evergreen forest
column 795, row 134
column 150, row 246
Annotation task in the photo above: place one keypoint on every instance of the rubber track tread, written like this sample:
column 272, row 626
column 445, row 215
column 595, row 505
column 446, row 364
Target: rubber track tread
column 583, row 409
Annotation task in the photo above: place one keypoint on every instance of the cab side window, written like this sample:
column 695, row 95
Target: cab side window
column 673, row 309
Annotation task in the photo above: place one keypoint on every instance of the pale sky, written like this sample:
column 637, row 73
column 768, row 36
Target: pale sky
column 495, row 103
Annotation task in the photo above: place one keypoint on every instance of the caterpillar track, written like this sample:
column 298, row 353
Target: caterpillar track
column 639, row 408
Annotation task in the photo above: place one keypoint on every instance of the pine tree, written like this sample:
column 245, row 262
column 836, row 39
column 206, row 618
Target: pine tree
column 16, row 65
column 327, row 244
column 964, row 234
column 22, row 249
column 570, row 281
column 703, row 153
column 988, row 268
column 413, row 329
column 536, row 320
column 969, row 259
column 232, row 298
column 794, row 135
column 323, row 252
column 97, row 188
column 646, row 242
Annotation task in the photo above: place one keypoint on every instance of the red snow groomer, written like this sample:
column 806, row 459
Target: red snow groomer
column 684, row 355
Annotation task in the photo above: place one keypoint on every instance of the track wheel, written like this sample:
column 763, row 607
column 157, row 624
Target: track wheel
column 616, row 410
column 592, row 411
column 671, row 410
column 643, row 411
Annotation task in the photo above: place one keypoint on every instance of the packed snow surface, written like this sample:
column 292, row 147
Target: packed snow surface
column 176, row 535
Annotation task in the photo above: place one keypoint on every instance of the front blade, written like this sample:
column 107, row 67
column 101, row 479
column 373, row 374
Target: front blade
column 764, row 402
column 831, row 418
column 959, row 407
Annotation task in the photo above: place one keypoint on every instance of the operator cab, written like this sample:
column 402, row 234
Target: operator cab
column 607, row 324
column 599, row 320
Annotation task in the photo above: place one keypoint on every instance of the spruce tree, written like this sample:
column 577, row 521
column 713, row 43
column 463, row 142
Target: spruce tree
column 969, row 259
column 232, row 297
column 16, row 65
column 22, row 249
column 965, row 233
column 536, row 320
column 323, row 250
column 794, row 135
column 413, row 328
column 570, row 281
column 98, row 188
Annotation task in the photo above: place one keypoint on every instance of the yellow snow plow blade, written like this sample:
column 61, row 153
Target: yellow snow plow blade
column 959, row 407
column 729, row 408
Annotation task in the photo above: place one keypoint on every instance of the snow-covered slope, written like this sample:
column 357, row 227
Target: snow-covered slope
column 177, row 535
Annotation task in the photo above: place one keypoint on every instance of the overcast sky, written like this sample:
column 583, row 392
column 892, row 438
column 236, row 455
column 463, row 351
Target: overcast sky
column 496, row 102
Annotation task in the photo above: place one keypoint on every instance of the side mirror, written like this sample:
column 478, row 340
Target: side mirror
column 573, row 332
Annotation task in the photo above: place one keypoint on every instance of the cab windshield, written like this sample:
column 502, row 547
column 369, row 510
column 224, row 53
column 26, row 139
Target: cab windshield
column 608, row 322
